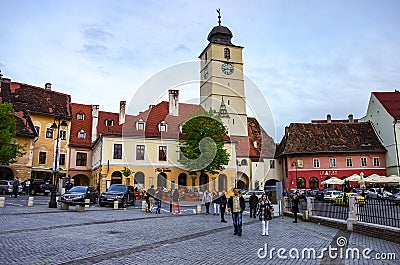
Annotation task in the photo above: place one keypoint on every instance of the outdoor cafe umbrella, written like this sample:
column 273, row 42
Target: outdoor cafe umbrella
column 354, row 177
column 333, row 181
column 392, row 179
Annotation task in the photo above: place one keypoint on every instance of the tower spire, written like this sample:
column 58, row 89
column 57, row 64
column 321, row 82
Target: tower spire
column 219, row 16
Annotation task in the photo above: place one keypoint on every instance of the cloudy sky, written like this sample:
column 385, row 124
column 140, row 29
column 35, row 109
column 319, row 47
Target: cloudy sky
column 308, row 57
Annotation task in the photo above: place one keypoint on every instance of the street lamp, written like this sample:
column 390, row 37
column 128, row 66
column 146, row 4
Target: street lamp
column 63, row 123
column 294, row 164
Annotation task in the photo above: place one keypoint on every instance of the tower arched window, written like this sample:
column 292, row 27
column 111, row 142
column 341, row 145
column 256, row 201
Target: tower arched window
column 227, row 53
column 81, row 134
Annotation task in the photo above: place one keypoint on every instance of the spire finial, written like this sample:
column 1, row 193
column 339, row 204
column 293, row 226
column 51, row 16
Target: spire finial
column 219, row 16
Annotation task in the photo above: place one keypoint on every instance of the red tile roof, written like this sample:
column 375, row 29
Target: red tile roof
column 31, row 99
column 330, row 138
column 78, row 125
column 390, row 101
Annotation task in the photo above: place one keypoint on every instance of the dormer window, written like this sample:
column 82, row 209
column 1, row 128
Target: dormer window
column 109, row 122
column 227, row 53
column 81, row 134
column 162, row 126
column 140, row 125
column 80, row 116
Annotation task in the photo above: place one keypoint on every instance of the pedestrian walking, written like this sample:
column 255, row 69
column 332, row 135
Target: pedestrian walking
column 207, row 200
column 253, row 202
column 236, row 206
column 295, row 206
column 216, row 202
column 223, row 201
column 159, row 196
column 150, row 194
column 176, row 199
column 15, row 187
column 27, row 184
column 264, row 211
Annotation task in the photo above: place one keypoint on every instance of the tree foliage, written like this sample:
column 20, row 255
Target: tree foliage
column 126, row 172
column 9, row 147
column 202, row 144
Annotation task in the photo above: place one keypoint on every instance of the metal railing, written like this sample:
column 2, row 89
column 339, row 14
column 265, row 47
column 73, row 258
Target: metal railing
column 379, row 211
column 328, row 209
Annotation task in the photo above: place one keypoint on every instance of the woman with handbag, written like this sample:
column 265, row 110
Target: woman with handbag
column 264, row 212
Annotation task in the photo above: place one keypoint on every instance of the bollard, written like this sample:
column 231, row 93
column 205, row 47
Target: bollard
column 116, row 205
column 144, row 206
column 2, row 201
column 30, row 201
column 199, row 208
column 87, row 203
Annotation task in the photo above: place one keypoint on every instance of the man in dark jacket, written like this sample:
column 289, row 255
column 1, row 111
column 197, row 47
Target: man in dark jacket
column 151, row 194
column 236, row 205
column 223, row 201
column 253, row 202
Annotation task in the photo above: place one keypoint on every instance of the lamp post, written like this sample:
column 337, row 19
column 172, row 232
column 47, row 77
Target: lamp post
column 294, row 164
column 63, row 123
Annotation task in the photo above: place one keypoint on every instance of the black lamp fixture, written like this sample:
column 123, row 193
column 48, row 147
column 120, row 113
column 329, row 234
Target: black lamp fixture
column 61, row 122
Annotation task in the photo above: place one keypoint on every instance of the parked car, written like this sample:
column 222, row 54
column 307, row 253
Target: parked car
column 6, row 187
column 40, row 186
column 312, row 193
column 78, row 194
column 340, row 200
column 247, row 195
column 374, row 193
column 319, row 195
column 124, row 194
column 331, row 194
column 395, row 197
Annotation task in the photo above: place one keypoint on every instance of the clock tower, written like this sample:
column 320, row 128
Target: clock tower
column 221, row 80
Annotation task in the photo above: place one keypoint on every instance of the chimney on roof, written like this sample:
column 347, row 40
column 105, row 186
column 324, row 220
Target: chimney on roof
column 95, row 121
column 173, row 102
column 122, row 105
column 328, row 118
column 351, row 118
column 396, row 90
column 47, row 86
column 151, row 106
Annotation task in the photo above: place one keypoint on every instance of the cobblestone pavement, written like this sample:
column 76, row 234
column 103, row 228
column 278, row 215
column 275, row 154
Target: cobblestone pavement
column 102, row 235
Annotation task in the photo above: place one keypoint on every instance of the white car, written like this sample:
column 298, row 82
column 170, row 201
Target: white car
column 374, row 193
column 331, row 194
column 247, row 195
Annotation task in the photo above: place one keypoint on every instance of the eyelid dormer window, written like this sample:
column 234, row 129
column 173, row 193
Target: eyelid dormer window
column 162, row 126
column 140, row 125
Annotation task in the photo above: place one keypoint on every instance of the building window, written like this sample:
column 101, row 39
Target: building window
column 301, row 183
column 140, row 152
column 205, row 56
column 49, row 133
column 316, row 162
column 81, row 159
column 244, row 162
column 82, row 134
column 37, row 129
column 162, row 127
column 227, row 53
column 62, row 160
column 140, row 125
column 80, row 116
column 63, row 135
column 162, row 153
column 109, row 122
column 349, row 162
column 42, row 157
column 363, row 161
column 376, row 162
column 300, row 163
column 271, row 163
column 117, row 151
column 314, row 183
column 332, row 162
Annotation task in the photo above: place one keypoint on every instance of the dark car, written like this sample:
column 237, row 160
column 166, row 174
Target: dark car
column 124, row 194
column 40, row 186
column 319, row 195
column 78, row 194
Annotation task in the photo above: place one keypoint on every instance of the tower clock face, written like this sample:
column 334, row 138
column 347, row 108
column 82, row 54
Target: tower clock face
column 227, row 68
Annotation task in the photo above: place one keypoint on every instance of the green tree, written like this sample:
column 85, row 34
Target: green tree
column 202, row 144
column 9, row 148
column 126, row 172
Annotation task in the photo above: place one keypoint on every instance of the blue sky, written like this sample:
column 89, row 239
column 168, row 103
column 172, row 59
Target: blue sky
column 309, row 58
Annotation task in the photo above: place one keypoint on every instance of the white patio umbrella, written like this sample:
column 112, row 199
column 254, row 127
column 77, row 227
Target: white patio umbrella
column 392, row 179
column 354, row 177
column 333, row 181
